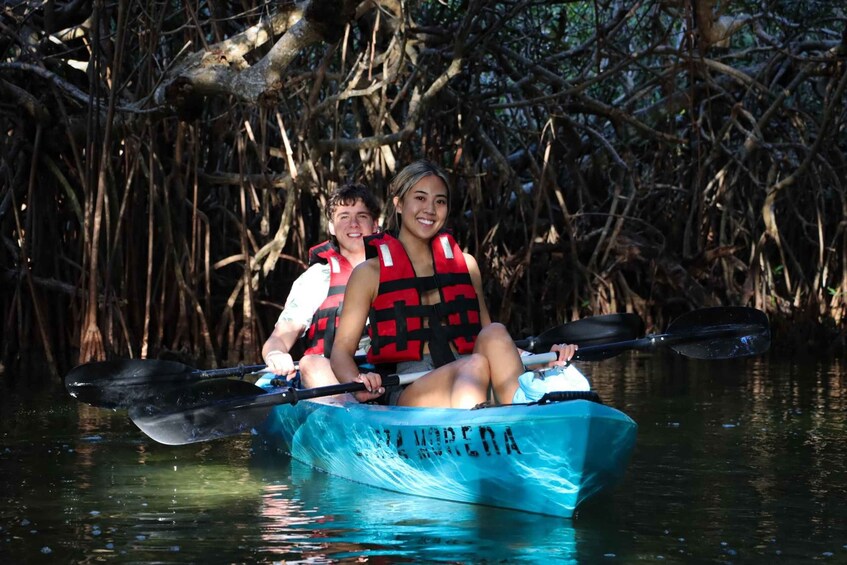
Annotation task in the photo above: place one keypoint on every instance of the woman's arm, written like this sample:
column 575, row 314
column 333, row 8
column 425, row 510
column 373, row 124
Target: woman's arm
column 358, row 297
column 476, row 279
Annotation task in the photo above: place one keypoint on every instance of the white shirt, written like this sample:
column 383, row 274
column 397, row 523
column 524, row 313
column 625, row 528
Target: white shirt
column 307, row 294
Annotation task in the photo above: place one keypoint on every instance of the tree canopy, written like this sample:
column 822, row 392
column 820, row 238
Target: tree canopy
column 165, row 162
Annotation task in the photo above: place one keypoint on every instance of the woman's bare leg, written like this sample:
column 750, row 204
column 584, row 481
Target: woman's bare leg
column 496, row 345
column 460, row 384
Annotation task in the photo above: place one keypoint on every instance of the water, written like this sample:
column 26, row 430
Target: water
column 736, row 462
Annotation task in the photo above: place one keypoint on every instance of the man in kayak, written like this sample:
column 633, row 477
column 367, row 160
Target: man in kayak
column 312, row 306
column 423, row 298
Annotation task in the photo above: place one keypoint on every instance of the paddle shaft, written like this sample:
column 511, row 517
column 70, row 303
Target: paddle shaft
column 241, row 370
column 647, row 343
column 717, row 333
column 238, row 371
column 292, row 395
column 123, row 383
column 652, row 342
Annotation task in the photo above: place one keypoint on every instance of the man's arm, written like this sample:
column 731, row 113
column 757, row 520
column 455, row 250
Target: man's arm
column 306, row 295
column 276, row 349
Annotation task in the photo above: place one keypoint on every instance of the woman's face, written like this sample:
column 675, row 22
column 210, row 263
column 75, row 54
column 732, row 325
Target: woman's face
column 424, row 207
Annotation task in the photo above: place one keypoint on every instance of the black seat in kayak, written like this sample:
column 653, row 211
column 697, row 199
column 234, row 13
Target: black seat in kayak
column 565, row 395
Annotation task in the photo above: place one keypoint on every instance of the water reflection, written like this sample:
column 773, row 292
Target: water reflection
column 736, row 462
column 747, row 454
column 346, row 520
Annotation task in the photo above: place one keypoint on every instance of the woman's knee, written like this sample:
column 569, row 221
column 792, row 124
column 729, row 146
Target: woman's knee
column 472, row 382
column 494, row 333
column 475, row 371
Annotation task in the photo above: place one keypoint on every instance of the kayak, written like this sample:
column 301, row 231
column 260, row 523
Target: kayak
column 545, row 458
column 546, row 453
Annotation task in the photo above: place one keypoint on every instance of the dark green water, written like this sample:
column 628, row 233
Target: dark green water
column 736, row 462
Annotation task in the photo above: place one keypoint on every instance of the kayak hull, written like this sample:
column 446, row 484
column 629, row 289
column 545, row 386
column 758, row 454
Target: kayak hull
column 545, row 459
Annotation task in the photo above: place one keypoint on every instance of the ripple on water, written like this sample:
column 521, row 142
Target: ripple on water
column 735, row 462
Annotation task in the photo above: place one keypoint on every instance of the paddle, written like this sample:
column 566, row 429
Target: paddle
column 222, row 408
column 723, row 332
column 587, row 332
column 205, row 414
column 124, row 382
column 127, row 382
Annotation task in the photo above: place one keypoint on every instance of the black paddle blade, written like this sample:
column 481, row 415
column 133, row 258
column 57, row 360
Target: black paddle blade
column 593, row 331
column 123, row 383
column 216, row 409
column 710, row 333
column 203, row 411
column 723, row 332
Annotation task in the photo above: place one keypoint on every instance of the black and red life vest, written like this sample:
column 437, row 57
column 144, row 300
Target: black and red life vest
column 397, row 329
column 321, row 332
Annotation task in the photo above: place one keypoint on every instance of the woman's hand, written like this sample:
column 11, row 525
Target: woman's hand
column 373, row 384
column 566, row 353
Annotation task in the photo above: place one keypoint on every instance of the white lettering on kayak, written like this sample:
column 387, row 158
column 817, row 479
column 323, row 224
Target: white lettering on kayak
column 436, row 441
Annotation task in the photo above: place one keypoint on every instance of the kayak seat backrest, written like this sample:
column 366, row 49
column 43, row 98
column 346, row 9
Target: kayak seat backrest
column 565, row 395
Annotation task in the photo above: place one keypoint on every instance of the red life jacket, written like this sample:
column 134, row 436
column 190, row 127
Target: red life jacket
column 397, row 328
column 321, row 332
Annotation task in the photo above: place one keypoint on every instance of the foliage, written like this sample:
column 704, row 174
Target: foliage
column 164, row 164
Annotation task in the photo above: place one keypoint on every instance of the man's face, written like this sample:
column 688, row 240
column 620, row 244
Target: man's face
column 350, row 224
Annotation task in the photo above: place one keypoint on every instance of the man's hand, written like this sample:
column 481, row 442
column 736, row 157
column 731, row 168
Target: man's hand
column 281, row 364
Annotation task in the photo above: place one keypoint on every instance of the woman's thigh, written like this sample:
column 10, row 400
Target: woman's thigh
column 437, row 388
column 433, row 389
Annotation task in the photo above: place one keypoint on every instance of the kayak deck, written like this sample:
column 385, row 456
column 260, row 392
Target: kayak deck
column 545, row 458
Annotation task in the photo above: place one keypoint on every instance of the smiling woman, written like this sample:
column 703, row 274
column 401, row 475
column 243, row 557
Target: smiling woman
column 423, row 297
column 425, row 179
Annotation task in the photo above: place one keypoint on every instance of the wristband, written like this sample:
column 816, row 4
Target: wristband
column 274, row 352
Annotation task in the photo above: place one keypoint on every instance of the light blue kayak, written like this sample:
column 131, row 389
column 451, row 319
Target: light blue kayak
column 541, row 458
